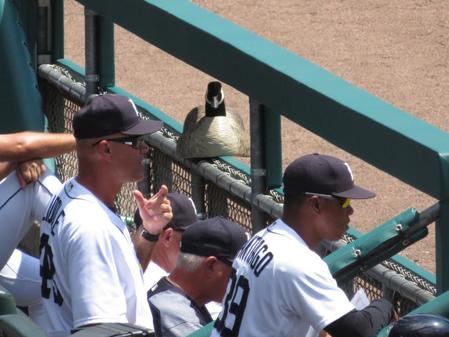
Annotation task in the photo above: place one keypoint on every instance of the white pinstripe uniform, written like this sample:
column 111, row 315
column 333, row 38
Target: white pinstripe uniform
column 90, row 272
column 19, row 207
column 279, row 287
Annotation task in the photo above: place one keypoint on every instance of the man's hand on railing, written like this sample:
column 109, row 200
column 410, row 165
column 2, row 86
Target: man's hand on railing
column 30, row 171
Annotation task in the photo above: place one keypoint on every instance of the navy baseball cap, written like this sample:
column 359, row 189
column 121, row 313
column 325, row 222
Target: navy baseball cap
column 216, row 236
column 106, row 114
column 322, row 174
column 183, row 209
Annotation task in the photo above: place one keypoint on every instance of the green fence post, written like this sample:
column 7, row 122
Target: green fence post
column 258, row 170
column 106, row 66
column 271, row 133
column 57, row 33
column 442, row 229
column 91, row 36
column 266, row 156
column 441, row 246
column 100, row 67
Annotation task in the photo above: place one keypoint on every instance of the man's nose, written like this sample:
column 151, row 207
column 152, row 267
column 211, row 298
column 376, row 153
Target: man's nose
column 350, row 210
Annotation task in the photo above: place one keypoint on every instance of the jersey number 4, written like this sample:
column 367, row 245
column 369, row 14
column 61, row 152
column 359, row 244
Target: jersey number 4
column 228, row 325
column 47, row 270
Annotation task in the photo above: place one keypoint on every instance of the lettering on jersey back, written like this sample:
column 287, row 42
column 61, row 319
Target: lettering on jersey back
column 47, row 268
column 47, row 271
column 53, row 215
column 256, row 254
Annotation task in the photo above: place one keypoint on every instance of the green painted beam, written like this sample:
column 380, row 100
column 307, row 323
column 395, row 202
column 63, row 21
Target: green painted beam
column 438, row 306
column 20, row 99
column 413, row 267
column 57, row 30
column 351, row 118
column 379, row 244
column 27, row 11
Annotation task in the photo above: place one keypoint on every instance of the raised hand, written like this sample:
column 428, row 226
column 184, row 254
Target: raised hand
column 156, row 211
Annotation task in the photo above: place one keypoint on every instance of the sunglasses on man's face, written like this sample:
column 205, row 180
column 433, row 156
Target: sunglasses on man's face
column 344, row 202
column 136, row 142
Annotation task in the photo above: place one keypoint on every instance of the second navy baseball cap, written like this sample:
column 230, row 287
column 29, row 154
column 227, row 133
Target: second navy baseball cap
column 184, row 211
column 106, row 114
column 216, row 236
column 322, row 174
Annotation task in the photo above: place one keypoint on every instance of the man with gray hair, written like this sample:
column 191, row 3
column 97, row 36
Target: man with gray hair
column 166, row 248
column 202, row 270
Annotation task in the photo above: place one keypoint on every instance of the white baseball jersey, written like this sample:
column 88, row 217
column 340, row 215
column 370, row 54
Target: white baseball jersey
column 19, row 207
column 90, row 272
column 279, row 287
column 20, row 276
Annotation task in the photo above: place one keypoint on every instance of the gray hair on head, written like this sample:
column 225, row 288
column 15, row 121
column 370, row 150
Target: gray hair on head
column 189, row 262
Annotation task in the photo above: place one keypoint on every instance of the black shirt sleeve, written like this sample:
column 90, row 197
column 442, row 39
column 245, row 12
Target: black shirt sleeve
column 362, row 323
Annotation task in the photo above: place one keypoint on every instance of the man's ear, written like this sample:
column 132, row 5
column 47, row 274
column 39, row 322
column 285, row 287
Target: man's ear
column 211, row 263
column 103, row 148
column 166, row 236
column 314, row 202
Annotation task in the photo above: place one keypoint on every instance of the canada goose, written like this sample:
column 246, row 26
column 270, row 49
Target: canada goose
column 212, row 130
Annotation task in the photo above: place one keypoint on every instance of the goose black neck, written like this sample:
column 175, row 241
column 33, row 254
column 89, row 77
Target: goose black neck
column 215, row 104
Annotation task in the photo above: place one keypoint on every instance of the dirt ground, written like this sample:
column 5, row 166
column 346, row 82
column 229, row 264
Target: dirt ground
column 397, row 50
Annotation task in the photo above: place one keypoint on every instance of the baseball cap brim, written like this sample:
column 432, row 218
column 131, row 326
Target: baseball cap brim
column 144, row 127
column 356, row 192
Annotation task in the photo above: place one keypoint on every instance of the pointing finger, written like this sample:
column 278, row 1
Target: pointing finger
column 160, row 196
column 162, row 193
column 138, row 196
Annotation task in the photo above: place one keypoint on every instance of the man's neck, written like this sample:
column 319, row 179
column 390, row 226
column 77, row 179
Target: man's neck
column 189, row 285
column 304, row 229
column 103, row 190
column 161, row 259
